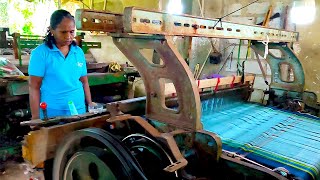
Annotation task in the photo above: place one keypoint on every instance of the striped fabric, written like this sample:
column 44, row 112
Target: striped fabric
column 268, row 136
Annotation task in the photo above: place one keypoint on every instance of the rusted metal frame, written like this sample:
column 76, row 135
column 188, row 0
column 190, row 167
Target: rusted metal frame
column 130, row 105
column 310, row 98
column 151, row 22
column 172, row 145
column 142, row 122
column 36, row 153
column 41, row 144
column 215, row 137
column 93, row 20
column 236, row 163
column 287, row 56
column 175, row 69
column 37, row 123
column 142, row 21
column 167, row 138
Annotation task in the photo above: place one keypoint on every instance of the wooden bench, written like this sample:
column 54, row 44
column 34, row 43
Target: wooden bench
column 32, row 41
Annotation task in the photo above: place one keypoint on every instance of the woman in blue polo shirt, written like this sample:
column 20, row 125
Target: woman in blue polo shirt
column 57, row 70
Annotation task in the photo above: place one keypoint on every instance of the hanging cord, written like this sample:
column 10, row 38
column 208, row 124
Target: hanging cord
column 247, row 55
column 260, row 65
column 204, row 63
column 232, row 44
column 200, row 7
column 238, row 60
column 196, row 71
column 84, row 4
column 202, row 15
column 220, row 19
column 230, row 55
column 242, row 76
column 231, row 59
column 238, row 9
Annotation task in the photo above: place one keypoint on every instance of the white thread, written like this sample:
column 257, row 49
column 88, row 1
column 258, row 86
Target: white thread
column 266, row 49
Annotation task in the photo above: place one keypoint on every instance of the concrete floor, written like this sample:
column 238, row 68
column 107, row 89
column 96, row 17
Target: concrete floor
column 18, row 171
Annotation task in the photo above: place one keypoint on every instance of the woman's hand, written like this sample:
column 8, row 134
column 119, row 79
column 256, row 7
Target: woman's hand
column 92, row 104
column 86, row 88
column 95, row 108
column 34, row 95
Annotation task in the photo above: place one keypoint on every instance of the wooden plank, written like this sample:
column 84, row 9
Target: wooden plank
column 41, row 145
column 209, row 83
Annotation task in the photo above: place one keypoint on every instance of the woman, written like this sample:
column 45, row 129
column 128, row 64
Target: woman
column 57, row 70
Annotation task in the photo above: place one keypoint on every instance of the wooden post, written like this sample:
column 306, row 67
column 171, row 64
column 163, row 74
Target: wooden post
column 16, row 47
column 91, row 4
column 105, row 5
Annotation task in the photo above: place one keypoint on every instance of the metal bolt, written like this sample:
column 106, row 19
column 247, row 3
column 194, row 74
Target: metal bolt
column 153, row 94
column 210, row 143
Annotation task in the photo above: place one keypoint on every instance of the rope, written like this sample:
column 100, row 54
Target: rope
column 220, row 19
column 200, row 7
column 261, row 68
column 238, row 9
column 230, row 55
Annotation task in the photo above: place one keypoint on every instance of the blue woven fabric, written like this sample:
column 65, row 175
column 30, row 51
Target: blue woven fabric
column 268, row 136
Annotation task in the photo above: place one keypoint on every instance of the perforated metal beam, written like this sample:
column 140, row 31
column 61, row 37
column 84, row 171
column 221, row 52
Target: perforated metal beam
column 151, row 22
column 140, row 21
column 92, row 20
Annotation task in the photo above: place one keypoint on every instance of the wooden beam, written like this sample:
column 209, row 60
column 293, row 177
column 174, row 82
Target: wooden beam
column 209, row 83
column 41, row 145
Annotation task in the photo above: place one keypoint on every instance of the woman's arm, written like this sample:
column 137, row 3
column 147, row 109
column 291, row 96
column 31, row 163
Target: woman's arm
column 34, row 95
column 86, row 88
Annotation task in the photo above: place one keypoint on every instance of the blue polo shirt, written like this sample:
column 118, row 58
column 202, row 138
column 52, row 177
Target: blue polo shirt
column 61, row 76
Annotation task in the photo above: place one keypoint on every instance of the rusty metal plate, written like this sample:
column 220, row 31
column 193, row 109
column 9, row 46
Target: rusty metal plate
column 288, row 57
column 92, row 20
column 151, row 22
column 174, row 68
column 142, row 21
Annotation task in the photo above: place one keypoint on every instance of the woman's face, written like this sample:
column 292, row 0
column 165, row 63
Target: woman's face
column 64, row 32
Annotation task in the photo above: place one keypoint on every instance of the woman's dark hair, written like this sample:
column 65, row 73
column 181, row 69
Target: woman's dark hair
column 55, row 19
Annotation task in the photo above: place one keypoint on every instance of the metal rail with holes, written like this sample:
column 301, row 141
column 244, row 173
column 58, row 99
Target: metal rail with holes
column 140, row 21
